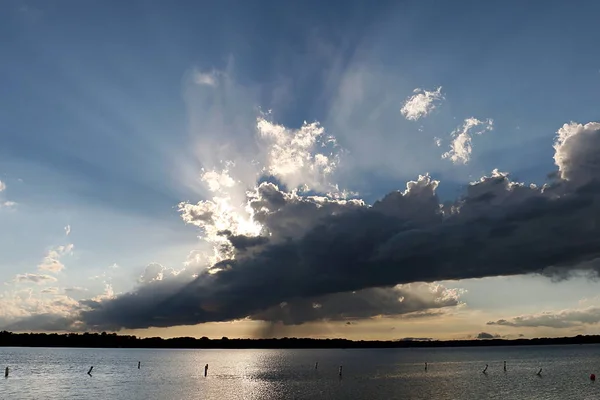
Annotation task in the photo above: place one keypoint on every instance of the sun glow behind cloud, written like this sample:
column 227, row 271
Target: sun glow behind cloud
column 277, row 188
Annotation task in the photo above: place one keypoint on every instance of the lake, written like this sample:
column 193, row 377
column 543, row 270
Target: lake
column 453, row 373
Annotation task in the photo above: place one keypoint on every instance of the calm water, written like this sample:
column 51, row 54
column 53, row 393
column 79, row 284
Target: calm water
column 290, row 374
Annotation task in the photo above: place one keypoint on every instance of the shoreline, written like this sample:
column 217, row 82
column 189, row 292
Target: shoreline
column 114, row 341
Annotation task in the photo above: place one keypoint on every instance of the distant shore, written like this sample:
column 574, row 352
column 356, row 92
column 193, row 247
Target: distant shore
column 112, row 340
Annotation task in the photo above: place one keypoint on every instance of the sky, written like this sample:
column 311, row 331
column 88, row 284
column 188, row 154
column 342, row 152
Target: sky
column 387, row 170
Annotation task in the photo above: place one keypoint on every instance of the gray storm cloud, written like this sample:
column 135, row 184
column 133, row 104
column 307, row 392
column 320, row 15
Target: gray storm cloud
column 328, row 258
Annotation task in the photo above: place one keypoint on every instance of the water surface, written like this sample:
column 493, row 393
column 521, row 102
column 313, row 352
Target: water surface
column 453, row 373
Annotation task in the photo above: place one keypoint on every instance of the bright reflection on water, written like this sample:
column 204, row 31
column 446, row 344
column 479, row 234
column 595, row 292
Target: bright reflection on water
column 290, row 374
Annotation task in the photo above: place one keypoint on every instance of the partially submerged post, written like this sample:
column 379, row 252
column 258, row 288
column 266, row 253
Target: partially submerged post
column 206, row 370
column 90, row 371
column 6, row 372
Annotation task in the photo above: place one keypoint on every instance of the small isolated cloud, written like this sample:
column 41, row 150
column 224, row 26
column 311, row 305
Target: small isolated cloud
column 67, row 230
column 206, row 78
column 421, row 103
column 75, row 289
column 2, row 186
column 34, row 278
column 561, row 319
column 485, row 335
column 50, row 290
column 52, row 259
column 8, row 204
column 461, row 146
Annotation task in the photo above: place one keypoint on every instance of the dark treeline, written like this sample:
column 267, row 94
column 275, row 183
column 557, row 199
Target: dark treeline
column 112, row 340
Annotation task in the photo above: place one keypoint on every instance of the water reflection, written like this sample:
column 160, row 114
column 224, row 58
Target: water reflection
column 291, row 374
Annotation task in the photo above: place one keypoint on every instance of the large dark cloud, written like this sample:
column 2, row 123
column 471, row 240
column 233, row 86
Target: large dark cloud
column 316, row 247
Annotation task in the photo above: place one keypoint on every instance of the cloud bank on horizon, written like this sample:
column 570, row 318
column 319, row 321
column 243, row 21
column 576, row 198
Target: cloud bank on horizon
column 289, row 245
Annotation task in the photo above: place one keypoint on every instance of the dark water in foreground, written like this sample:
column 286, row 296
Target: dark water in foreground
column 454, row 373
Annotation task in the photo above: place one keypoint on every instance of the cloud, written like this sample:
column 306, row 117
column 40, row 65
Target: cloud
column 206, row 78
column 421, row 103
column 5, row 204
column 75, row 289
column 45, row 322
column 281, row 246
column 50, row 290
column 34, row 278
column 67, row 230
column 155, row 272
column 52, row 259
column 461, row 146
column 561, row 319
column 399, row 300
column 292, row 155
column 485, row 335
column 576, row 150
column 24, row 312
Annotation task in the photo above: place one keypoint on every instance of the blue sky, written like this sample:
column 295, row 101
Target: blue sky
column 106, row 125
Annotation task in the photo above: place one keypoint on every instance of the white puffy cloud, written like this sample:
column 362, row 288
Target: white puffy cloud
column 67, row 230
column 462, row 137
column 52, row 262
column 25, row 310
column 576, row 150
column 2, row 186
column 156, row 272
column 293, row 156
column 421, row 103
